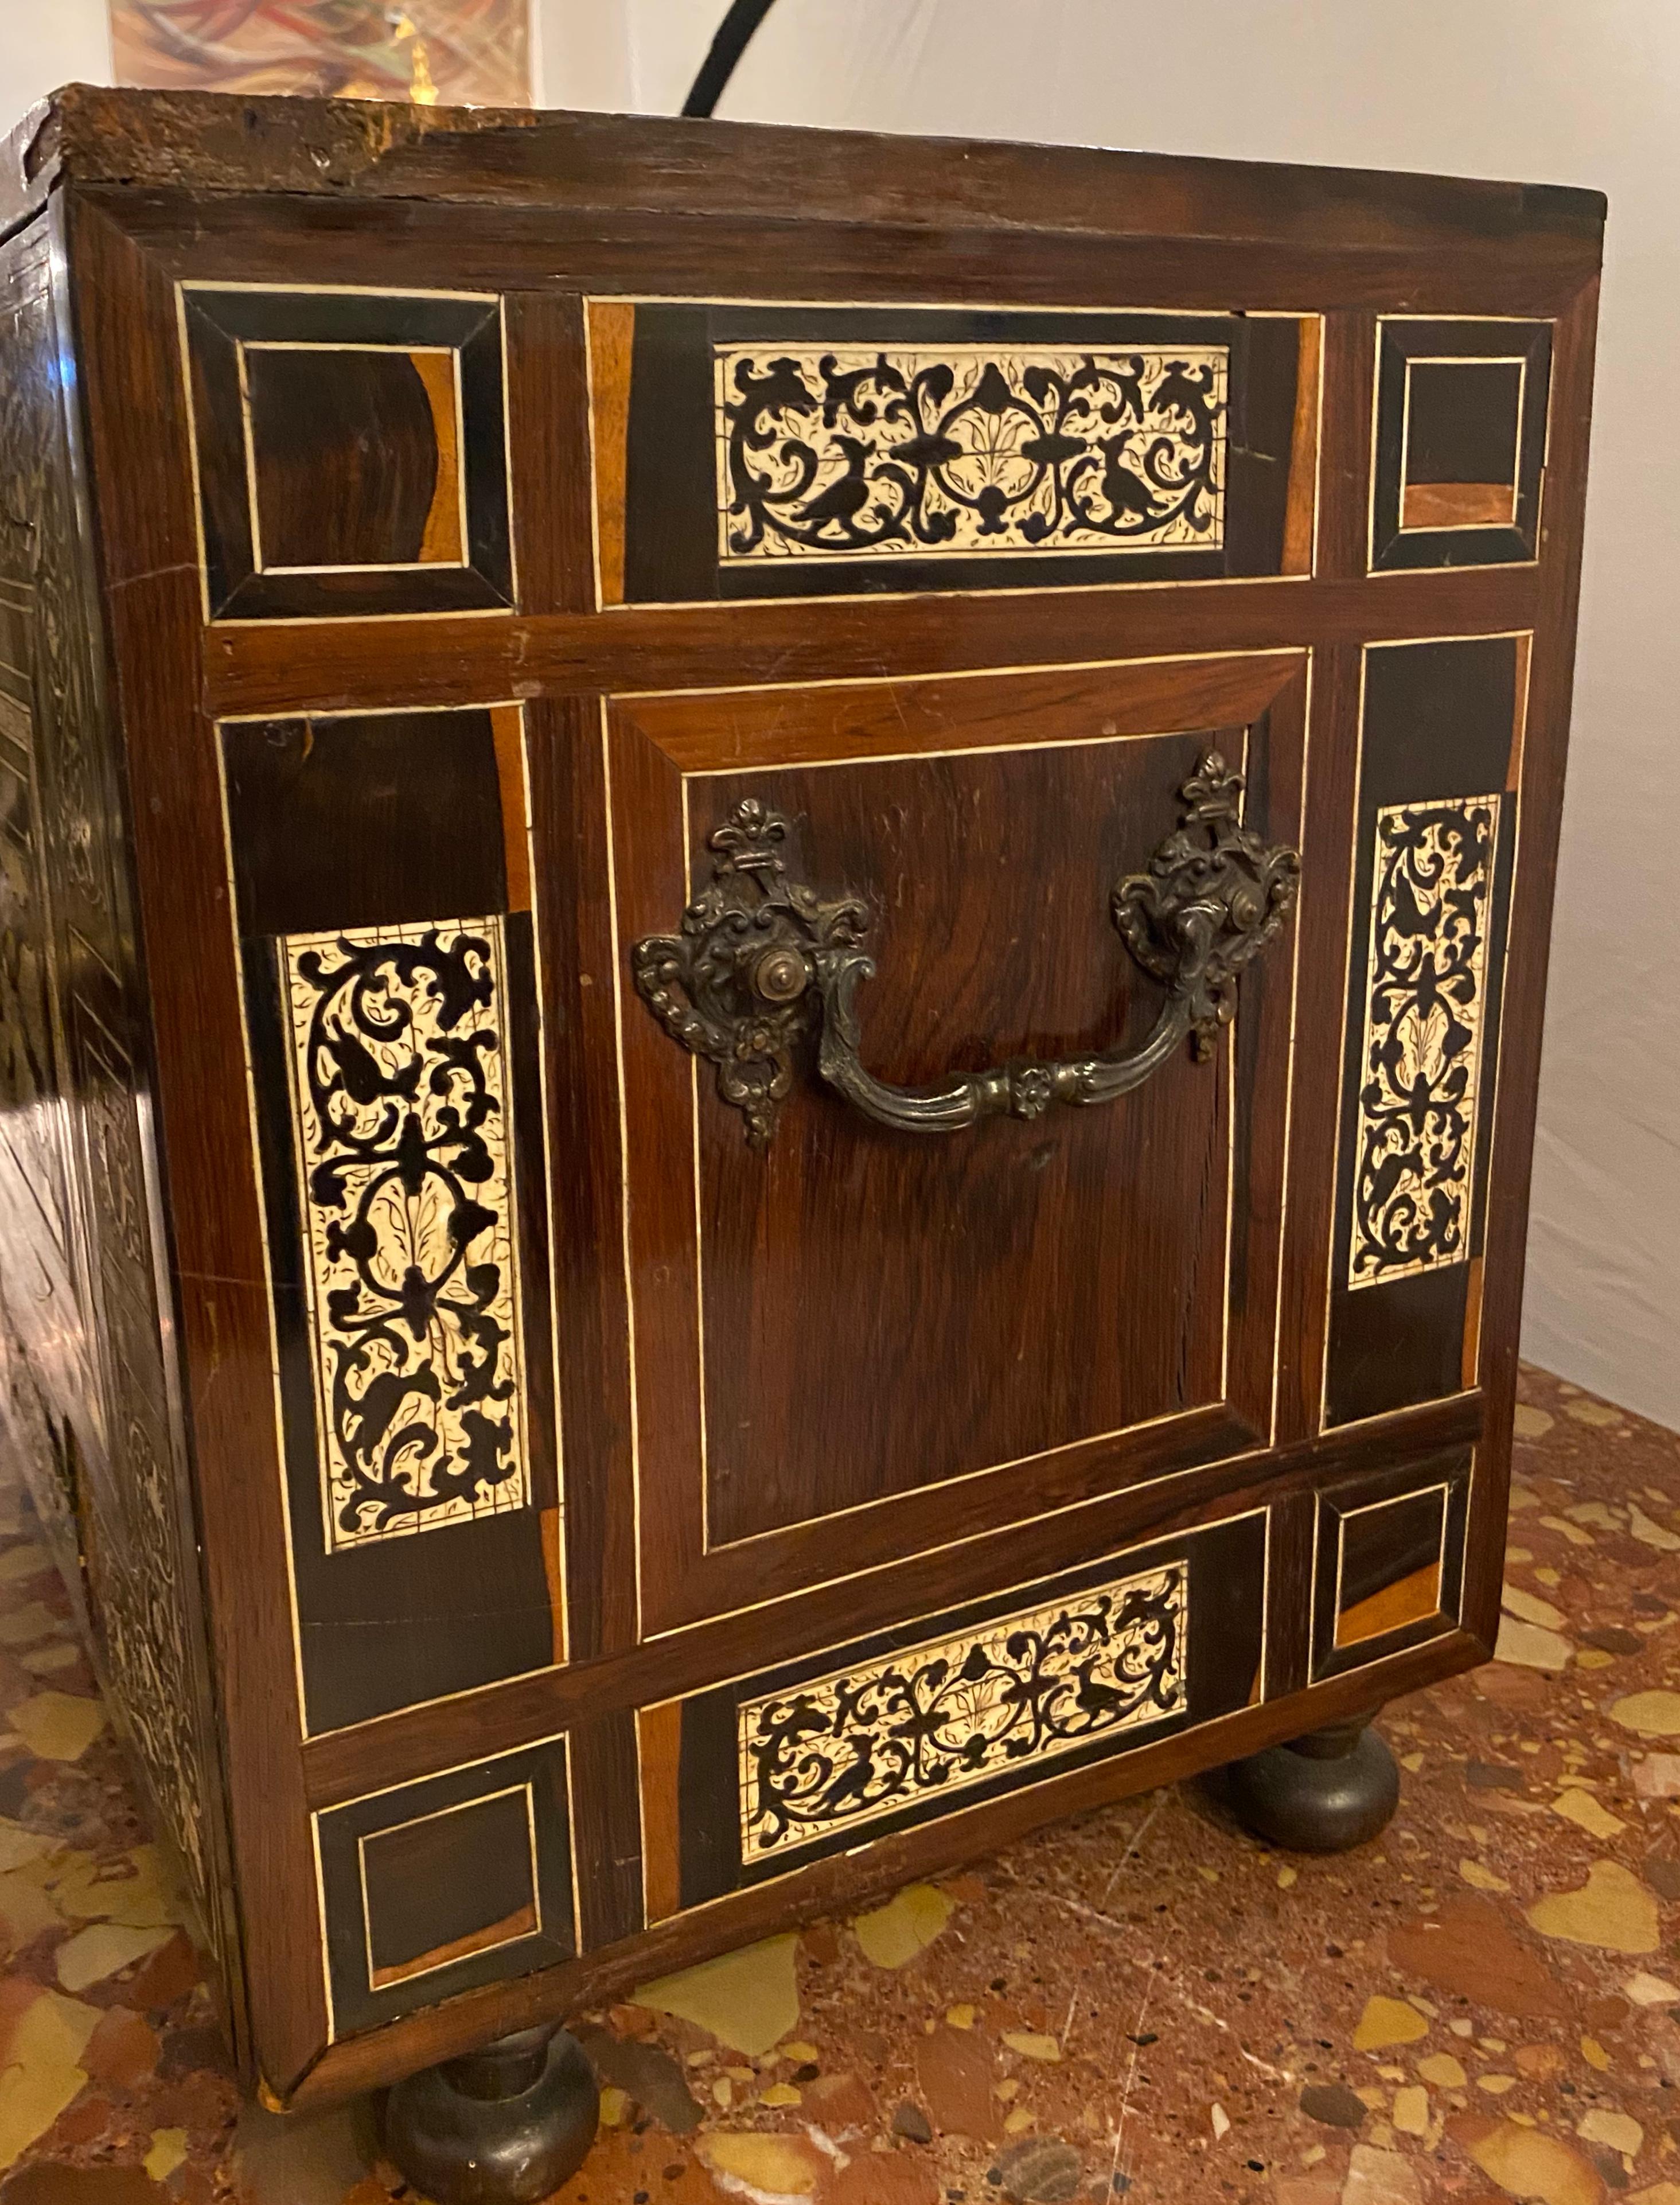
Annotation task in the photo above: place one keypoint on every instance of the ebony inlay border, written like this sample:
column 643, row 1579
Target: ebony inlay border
column 1441, row 733
column 399, row 825
column 1381, row 1533
column 1117, row 1654
column 224, row 329
column 440, row 1886
column 675, row 537
column 1397, row 544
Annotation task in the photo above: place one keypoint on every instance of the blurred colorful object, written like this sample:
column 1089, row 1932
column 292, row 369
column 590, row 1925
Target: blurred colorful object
column 455, row 52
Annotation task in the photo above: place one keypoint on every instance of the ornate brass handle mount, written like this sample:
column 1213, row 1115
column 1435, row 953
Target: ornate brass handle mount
column 760, row 959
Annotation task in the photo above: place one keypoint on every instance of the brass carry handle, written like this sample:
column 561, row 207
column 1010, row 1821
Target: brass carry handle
column 759, row 956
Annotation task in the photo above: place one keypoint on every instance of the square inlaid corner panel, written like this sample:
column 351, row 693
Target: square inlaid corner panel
column 1459, row 442
column 980, row 826
column 757, row 452
column 382, row 892
column 1388, row 1560
column 350, row 451
column 430, row 1889
column 758, row 1777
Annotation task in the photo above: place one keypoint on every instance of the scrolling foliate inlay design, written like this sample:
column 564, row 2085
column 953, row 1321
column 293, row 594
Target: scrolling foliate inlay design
column 834, row 451
column 1426, row 999
column 401, row 1119
column 913, row 1726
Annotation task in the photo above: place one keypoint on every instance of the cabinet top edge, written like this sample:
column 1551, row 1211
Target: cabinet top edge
column 374, row 150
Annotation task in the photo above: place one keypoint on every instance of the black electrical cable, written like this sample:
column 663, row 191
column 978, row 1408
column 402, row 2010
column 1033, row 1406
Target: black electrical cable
column 734, row 34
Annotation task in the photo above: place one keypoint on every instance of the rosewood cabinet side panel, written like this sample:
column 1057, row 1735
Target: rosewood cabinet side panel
column 91, row 1384
column 150, row 590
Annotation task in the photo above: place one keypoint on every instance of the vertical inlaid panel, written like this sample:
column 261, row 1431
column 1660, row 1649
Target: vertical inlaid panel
column 403, row 1141
column 1433, row 844
column 381, row 883
column 1426, row 1007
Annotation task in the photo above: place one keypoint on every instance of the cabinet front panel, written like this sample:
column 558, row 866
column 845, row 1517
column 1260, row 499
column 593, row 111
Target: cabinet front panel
column 853, row 1339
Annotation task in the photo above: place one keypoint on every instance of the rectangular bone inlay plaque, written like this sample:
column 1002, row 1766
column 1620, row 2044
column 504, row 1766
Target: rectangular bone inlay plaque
column 835, row 451
column 396, row 1061
column 1426, row 1004
column 930, row 1721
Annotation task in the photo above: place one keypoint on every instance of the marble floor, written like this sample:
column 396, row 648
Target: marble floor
column 1482, row 2006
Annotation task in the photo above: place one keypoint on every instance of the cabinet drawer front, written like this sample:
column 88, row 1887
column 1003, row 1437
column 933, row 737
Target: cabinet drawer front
column 852, row 1340
column 764, row 451
column 767, row 1774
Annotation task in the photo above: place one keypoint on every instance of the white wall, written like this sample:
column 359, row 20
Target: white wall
column 1542, row 90
column 47, row 43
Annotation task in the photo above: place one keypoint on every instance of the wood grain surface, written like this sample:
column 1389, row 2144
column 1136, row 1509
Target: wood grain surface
column 931, row 1372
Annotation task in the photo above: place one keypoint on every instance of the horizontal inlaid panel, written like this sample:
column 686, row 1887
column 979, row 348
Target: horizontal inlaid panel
column 829, row 454
column 758, row 1777
column 440, row 1886
column 844, row 1750
column 1460, row 441
column 381, row 878
column 350, row 450
column 743, row 452
column 1388, row 1561
column 1435, row 843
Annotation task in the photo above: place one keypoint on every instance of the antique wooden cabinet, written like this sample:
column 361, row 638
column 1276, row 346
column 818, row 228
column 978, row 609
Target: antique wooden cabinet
column 775, row 921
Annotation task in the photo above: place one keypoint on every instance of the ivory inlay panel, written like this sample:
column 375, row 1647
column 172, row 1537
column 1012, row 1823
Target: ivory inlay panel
column 846, row 450
column 1425, row 1000
column 847, row 1749
column 400, row 1121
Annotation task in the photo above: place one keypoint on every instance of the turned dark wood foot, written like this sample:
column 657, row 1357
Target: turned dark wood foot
column 1333, row 1788
column 503, row 2125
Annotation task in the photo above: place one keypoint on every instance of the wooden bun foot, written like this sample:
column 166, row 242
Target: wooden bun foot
column 504, row 2125
column 1333, row 1788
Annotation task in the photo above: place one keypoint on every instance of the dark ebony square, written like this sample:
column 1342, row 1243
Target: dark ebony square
column 355, row 457
column 449, row 1884
column 1461, row 421
column 443, row 1884
column 1380, row 1529
column 351, row 452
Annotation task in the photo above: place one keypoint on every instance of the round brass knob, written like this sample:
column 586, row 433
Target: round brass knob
column 779, row 976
